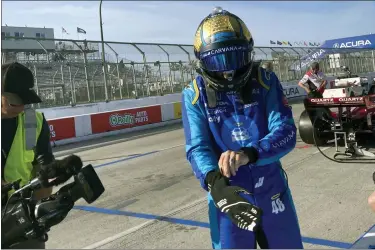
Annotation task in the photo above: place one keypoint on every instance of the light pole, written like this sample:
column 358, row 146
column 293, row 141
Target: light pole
column 103, row 54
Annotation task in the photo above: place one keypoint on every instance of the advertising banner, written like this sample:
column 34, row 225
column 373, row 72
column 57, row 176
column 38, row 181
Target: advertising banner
column 355, row 42
column 177, row 110
column 121, row 119
column 62, row 128
column 294, row 91
column 335, row 46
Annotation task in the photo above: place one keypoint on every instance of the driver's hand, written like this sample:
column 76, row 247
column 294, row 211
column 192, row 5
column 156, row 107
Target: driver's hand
column 231, row 161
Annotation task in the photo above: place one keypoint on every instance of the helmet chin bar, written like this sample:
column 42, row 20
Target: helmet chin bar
column 229, row 75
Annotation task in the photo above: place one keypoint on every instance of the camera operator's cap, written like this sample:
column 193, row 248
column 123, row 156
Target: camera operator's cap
column 17, row 82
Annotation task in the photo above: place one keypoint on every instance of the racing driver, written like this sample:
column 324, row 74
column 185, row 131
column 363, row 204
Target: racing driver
column 238, row 125
column 314, row 81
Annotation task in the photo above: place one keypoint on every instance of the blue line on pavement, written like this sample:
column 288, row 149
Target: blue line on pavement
column 143, row 216
column 125, row 159
column 314, row 241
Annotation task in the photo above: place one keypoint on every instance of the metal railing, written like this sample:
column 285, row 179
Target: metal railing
column 72, row 72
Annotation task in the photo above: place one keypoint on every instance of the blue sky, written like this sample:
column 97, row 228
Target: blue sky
column 176, row 22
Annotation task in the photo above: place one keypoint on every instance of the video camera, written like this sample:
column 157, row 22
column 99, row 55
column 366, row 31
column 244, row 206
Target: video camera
column 25, row 218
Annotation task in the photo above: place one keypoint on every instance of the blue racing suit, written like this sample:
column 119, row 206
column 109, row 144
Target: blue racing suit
column 265, row 123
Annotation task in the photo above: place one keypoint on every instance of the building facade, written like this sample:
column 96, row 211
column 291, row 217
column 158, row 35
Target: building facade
column 27, row 45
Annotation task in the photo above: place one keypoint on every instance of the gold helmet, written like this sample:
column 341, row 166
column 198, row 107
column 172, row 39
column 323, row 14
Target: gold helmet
column 224, row 47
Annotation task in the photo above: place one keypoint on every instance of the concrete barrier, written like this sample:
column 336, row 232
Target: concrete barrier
column 92, row 108
column 78, row 128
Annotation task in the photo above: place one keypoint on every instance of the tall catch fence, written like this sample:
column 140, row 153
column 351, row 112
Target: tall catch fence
column 72, row 71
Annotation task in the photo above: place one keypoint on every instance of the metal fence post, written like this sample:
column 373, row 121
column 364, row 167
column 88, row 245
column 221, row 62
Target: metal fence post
column 71, row 85
column 157, row 63
column 169, row 66
column 103, row 53
column 182, row 75
column 45, row 51
column 145, row 69
column 117, row 68
column 190, row 62
column 86, row 73
column 134, row 81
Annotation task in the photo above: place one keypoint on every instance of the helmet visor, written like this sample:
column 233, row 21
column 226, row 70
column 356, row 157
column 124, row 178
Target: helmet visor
column 233, row 58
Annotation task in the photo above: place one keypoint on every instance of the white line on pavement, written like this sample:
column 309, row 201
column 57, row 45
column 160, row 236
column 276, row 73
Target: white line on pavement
column 140, row 226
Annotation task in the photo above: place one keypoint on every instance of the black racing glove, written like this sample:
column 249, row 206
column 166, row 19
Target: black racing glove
column 227, row 199
column 59, row 170
column 251, row 153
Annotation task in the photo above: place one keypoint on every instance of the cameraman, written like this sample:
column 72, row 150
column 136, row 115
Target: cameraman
column 25, row 135
column 314, row 81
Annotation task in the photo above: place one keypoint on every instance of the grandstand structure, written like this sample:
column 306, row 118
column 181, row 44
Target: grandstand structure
column 69, row 72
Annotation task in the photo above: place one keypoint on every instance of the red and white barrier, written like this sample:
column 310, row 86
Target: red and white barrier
column 62, row 128
column 85, row 127
column 91, row 108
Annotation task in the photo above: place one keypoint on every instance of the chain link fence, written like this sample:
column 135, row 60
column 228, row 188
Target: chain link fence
column 71, row 72
column 291, row 63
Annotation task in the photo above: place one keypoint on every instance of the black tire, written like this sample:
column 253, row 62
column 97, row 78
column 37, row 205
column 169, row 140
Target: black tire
column 306, row 129
column 372, row 90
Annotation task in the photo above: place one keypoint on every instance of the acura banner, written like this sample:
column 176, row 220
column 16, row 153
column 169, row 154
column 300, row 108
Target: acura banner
column 342, row 45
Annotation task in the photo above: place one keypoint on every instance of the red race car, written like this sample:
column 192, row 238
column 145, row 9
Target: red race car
column 351, row 119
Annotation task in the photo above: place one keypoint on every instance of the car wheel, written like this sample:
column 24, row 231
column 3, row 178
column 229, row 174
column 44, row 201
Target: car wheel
column 306, row 130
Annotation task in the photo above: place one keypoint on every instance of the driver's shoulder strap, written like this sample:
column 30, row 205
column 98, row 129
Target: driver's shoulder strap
column 197, row 85
column 192, row 89
column 196, row 91
column 264, row 78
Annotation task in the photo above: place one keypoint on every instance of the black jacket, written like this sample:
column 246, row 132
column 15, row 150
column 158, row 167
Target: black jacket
column 43, row 150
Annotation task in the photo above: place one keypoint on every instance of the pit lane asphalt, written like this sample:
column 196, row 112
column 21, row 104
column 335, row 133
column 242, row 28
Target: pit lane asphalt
column 147, row 176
